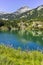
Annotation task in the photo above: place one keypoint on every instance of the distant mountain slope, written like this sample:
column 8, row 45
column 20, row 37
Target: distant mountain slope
column 24, row 12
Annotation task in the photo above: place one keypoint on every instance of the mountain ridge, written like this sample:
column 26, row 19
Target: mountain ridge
column 24, row 12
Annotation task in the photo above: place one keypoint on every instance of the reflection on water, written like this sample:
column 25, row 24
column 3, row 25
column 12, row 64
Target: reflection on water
column 25, row 40
column 33, row 36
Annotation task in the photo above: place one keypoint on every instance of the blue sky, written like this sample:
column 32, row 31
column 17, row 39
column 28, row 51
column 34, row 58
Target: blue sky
column 13, row 5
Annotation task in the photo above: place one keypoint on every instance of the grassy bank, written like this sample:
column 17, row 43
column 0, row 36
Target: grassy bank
column 11, row 56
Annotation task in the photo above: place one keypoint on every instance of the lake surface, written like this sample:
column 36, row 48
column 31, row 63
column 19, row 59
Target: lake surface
column 25, row 41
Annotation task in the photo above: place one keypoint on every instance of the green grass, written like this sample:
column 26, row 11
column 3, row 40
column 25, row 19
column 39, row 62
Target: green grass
column 11, row 56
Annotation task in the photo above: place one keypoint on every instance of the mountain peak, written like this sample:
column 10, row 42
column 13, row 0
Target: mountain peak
column 23, row 9
column 40, row 7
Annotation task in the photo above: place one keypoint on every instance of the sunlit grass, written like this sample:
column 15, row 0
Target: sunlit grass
column 11, row 56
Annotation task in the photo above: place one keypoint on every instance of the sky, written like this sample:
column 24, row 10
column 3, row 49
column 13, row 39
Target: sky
column 13, row 5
